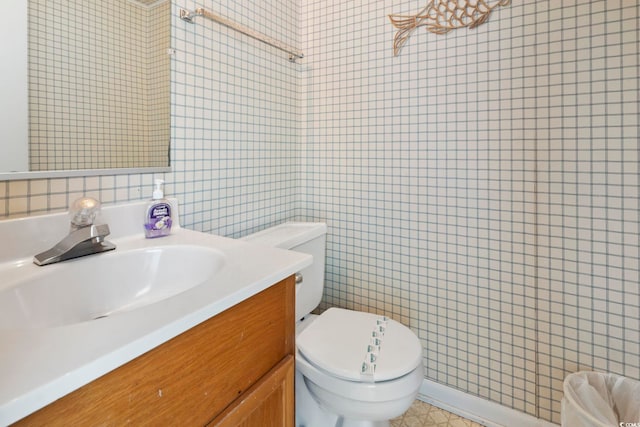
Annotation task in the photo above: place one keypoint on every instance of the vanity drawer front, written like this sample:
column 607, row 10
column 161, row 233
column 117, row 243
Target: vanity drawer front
column 192, row 378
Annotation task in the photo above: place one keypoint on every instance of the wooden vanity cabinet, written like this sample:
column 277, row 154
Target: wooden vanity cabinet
column 235, row 369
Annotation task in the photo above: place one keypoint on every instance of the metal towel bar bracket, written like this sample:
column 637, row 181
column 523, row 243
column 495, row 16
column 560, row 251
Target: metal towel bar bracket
column 188, row 16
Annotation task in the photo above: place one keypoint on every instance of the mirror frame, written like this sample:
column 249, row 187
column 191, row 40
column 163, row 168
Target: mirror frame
column 72, row 173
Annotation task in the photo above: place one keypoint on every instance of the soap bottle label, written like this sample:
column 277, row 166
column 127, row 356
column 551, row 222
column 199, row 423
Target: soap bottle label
column 159, row 221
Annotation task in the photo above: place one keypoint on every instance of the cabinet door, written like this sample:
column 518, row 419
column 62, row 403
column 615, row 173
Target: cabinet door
column 269, row 403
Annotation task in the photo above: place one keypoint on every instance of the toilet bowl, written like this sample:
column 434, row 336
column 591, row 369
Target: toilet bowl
column 353, row 369
column 362, row 400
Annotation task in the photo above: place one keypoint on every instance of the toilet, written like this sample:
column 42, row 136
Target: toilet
column 353, row 369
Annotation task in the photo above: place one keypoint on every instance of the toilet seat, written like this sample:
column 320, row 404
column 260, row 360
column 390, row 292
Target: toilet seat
column 358, row 346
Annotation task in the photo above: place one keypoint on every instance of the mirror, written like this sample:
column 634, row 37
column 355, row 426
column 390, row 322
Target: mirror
column 97, row 86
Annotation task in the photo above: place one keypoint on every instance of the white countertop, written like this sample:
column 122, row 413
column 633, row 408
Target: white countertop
column 38, row 366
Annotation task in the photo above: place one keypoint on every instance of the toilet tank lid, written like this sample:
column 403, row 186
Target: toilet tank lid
column 288, row 235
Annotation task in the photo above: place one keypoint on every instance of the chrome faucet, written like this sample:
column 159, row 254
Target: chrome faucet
column 84, row 238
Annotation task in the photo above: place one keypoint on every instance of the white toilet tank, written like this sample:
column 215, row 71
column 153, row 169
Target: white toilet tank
column 306, row 237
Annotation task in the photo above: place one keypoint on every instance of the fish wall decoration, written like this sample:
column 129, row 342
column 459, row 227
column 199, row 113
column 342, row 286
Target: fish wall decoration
column 442, row 16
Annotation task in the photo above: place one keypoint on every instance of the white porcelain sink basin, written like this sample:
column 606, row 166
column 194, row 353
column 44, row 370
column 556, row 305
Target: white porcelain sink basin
column 98, row 286
column 53, row 335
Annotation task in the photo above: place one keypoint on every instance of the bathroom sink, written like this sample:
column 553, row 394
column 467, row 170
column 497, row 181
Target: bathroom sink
column 99, row 286
column 65, row 324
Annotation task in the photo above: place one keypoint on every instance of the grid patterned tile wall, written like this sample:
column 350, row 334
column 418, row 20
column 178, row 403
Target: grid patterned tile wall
column 234, row 142
column 482, row 187
column 98, row 84
column 158, row 83
column 588, row 192
column 235, row 99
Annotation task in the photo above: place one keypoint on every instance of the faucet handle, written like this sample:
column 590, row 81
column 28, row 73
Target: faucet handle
column 83, row 212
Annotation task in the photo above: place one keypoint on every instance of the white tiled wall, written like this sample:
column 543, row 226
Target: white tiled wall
column 234, row 138
column 482, row 187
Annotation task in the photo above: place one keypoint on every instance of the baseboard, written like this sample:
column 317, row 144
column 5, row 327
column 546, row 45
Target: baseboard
column 475, row 408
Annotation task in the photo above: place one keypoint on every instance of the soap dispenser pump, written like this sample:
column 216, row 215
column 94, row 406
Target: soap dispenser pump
column 158, row 217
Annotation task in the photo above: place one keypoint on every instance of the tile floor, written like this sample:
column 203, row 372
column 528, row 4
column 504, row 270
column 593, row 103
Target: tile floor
column 421, row 414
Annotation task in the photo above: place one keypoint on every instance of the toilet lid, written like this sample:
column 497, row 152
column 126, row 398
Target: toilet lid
column 359, row 346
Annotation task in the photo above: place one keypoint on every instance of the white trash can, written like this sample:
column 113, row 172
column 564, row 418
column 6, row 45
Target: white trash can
column 594, row 399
